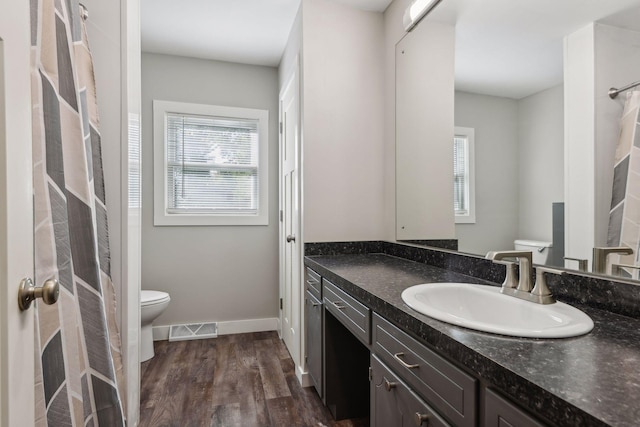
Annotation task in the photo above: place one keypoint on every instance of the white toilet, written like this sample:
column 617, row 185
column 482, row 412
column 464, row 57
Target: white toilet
column 153, row 303
column 540, row 250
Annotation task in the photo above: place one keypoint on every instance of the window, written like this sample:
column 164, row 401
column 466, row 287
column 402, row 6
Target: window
column 210, row 165
column 464, row 176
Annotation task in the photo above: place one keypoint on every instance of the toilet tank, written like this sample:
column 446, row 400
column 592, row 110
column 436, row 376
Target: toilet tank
column 539, row 249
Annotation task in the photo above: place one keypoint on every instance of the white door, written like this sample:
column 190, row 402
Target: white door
column 289, row 235
column 16, row 213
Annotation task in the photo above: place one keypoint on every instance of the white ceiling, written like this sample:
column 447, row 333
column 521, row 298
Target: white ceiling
column 503, row 47
column 514, row 48
column 243, row 31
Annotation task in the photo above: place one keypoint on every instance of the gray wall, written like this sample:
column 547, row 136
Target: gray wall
column 343, row 122
column 495, row 121
column 541, row 163
column 519, row 148
column 220, row 273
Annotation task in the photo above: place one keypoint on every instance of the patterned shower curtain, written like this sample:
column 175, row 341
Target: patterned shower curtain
column 78, row 363
column 624, row 216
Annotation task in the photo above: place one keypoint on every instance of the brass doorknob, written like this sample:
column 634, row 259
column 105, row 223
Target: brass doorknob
column 27, row 293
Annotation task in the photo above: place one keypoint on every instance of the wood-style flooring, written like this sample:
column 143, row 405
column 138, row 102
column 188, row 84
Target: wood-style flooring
column 233, row 380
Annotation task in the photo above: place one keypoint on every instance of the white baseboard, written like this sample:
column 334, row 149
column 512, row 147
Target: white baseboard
column 161, row 333
column 303, row 377
column 246, row 326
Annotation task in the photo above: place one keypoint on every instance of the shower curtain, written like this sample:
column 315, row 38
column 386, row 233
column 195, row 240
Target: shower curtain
column 78, row 363
column 624, row 216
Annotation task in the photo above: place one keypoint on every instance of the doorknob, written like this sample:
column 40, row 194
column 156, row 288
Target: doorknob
column 27, row 293
column 291, row 238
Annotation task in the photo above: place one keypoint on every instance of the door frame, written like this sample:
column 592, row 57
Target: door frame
column 301, row 371
column 131, row 215
column 16, row 216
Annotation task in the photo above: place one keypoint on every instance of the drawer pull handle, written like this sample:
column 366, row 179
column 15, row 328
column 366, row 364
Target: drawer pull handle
column 405, row 364
column 312, row 282
column 388, row 385
column 421, row 418
column 313, row 304
column 337, row 305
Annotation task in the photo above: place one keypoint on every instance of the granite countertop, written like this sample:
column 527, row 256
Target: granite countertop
column 588, row 380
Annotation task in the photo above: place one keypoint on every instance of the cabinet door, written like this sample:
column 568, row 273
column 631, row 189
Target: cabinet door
column 313, row 308
column 394, row 404
column 502, row 413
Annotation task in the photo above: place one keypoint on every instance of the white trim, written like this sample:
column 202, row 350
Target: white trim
column 303, row 377
column 131, row 219
column 161, row 333
column 469, row 134
column 160, row 215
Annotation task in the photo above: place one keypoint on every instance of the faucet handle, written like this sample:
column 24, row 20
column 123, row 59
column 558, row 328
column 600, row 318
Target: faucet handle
column 541, row 292
column 510, row 279
column 583, row 263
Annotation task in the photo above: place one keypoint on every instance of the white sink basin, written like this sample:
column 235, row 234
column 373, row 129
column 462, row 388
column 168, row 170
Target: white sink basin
column 484, row 308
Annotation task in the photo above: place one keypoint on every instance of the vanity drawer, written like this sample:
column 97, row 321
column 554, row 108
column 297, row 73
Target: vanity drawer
column 500, row 412
column 314, row 284
column 394, row 404
column 352, row 314
column 448, row 389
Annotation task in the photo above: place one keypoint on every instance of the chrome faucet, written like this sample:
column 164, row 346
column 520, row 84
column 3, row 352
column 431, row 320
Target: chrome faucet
column 616, row 269
column 524, row 262
column 600, row 256
column 539, row 293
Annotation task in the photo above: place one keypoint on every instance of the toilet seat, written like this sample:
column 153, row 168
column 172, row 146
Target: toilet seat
column 153, row 297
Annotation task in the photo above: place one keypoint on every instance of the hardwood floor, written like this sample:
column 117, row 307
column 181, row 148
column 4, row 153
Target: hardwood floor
column 233, row 380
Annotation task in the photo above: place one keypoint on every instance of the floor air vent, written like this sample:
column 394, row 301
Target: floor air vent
column 193, row 331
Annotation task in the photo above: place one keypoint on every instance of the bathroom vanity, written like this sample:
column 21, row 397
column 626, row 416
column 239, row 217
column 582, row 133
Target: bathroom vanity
column 368, row 353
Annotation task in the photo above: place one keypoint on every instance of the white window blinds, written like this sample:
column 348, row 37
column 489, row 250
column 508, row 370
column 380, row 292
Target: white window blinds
column 460, row 175
column 212, row 165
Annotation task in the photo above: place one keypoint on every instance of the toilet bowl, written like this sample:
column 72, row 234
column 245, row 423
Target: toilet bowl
column 152, row 304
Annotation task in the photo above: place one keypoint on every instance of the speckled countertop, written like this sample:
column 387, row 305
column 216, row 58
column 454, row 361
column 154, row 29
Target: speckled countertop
column 589, row 380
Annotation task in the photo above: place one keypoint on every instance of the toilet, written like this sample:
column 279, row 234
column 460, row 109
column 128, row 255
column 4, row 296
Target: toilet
column 540, row 250
column 153, row 303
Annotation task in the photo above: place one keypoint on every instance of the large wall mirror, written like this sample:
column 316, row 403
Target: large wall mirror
column 533, row 120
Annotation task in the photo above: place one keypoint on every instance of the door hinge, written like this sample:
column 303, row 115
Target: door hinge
column 280, row 127
column 281, row 215
column 306, row 359
column 370, row 373
column 280, row 303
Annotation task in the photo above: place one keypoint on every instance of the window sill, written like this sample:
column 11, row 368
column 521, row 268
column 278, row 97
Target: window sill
column 209, row 220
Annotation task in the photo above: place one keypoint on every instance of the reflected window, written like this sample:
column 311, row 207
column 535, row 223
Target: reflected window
column 464, row 176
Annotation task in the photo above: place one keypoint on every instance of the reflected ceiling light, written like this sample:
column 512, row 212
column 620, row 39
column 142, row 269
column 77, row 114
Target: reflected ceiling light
column 417, row 11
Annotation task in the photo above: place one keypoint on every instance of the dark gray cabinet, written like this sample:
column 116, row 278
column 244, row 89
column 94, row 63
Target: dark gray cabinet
column 500, row 412
column 313, row 316
column 408, row 383
column 314, row 333
column 346, row 327
column 352, row 314
column 394, row 404
column 451, row 391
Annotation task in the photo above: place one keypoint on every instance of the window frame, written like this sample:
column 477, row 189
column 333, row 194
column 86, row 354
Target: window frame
column 469, row 135
column 161, row 217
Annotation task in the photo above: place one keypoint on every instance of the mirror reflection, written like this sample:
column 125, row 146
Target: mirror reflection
column 543, row 159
